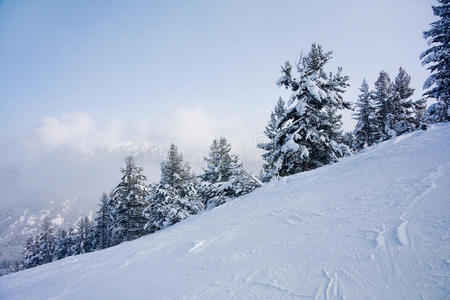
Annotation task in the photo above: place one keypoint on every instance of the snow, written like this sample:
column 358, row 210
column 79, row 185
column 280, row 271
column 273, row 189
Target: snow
column 31, row 220
column 372, row 226
column 290, row 145
column 313, row 89
column 59, row 220
column 300, row 107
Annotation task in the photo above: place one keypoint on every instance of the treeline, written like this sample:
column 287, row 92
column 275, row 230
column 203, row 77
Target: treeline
column 305, row 132
column 134, row 208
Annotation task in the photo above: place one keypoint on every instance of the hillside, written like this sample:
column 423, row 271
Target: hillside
column 373, row 226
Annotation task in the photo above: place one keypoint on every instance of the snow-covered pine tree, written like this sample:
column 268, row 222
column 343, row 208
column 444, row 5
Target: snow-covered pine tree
column 310, row 134
column 348, row 139
column 167, row 207
column 436, row 112
column 45, row 243
column 221, row 164
column 271, row 130
column 383, row 101
column 366, row 128
column 437, row 57
column 420, row 107
column 403, row 109
column 72, row 237
column 224, row 175
column 128, row 201
column 30, row 253
column 243, row 183
column 84, row 240
column 103, row 223
column 174, row 198
column 177, row 173
column 62, row 244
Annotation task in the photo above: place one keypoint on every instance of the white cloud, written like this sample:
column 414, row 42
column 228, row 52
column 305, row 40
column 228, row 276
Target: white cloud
column 74, row 156
column 191, row 128
column 77, row 131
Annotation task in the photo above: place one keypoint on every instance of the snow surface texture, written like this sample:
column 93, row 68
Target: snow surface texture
column 372, row 226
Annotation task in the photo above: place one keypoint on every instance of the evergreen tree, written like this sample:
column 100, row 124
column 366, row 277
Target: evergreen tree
column 383, row 101
column 174, row 198
column 310, row 133
column 44, row 243
column 177, row 174
column 84, row 239
column 437, row 57
column 348, row 139
column 224, row 176
column 271, row 130
column 366, row 128
column 128, row 202
column 62, row 244
column 167, row 207
column 30, row 253
column 103, row 224
column 436, row 112
column 420, row 107
column 403, row 108
column 73, row 238
column 220, row 163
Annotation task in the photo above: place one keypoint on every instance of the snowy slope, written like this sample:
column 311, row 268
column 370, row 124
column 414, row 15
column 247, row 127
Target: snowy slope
column 373, row 226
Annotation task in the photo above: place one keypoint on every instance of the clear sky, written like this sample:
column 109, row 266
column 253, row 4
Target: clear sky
column 88, row 75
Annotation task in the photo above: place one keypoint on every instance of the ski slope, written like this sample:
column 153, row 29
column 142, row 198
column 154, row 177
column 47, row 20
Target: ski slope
column 372, row 226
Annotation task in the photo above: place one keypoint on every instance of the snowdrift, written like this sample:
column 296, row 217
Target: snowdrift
column 372, row 226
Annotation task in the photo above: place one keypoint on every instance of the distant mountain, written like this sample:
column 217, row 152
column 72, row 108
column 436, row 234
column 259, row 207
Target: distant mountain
column 23, row 220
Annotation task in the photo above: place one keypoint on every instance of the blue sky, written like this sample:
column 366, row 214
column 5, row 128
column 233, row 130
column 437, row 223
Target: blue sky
column 134, row 60
column 82, row 77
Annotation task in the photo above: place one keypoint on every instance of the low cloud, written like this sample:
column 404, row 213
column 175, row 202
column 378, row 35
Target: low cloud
column 74, row 156
column 77, row 131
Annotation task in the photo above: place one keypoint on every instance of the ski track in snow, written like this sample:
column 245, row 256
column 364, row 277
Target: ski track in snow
column 329, row 288
column 67, row 289
column 431, row 182
column 372, row 226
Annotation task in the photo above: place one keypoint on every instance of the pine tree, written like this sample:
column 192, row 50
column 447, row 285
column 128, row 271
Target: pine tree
column 437, row 57
column 167, row 207
column 177, row 173
column 420, row 107
column 45, row 242
column 366, row 128
column 103, row 224
column 348, row 139
column 403, row 108
column 128, row 202
column 271, row 130
column 62, row 244
column 436, row 112
column 383, row 100
column 174, row 198
column 310, row 133
column 220, row 163
column 224, row 175
column 73, row 238
column 84, row 239
column 30, row 253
